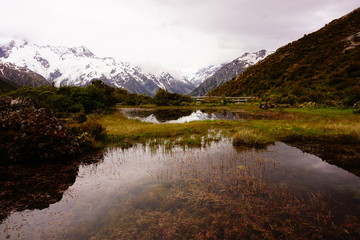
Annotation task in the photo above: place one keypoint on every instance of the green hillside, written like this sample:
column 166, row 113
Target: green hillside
column 4, row 86
column 322, row 67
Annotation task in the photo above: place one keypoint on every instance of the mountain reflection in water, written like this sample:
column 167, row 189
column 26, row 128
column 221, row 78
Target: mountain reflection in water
column 180, row 116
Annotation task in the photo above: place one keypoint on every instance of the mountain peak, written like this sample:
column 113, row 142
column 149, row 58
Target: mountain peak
column 166, row 75
column 203, row 73
column 6, row 46
column 82, row 51
column 228, row 71
column 254, row 57
column 78, row 66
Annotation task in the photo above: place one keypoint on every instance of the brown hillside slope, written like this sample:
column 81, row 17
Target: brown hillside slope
column 11, row 75
column 323, row 66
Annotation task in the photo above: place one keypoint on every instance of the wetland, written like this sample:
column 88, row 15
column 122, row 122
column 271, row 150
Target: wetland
column 192, row 180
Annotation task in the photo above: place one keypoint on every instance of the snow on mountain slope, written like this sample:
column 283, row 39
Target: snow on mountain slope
column 78, row 66
column 202, row 74
column 228, row 71
column 166, row 81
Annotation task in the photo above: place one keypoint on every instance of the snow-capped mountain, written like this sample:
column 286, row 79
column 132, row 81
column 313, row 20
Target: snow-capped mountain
column 78, row 66
column 228, row 71
column 19, row 76
column 204, row 73
column 166, row 81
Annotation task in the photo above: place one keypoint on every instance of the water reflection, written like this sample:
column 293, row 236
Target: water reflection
column 94, row 202
column 186, row 115
column 345, row 156
column 34, row 187
column 308, row 173
column 181, row 116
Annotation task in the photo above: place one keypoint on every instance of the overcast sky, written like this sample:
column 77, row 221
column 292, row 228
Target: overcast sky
column 175, row 35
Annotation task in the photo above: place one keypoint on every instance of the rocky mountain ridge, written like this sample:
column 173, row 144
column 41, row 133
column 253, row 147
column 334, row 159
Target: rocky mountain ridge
column 20, row 76
column 203, row 73
column 78, row 66
column 228, row 71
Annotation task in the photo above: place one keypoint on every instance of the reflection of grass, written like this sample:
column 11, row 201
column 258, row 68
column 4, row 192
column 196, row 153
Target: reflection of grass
column 223, row 197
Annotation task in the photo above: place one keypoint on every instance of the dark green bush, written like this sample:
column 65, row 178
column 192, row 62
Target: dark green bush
column 97, row 97
column 165, row 98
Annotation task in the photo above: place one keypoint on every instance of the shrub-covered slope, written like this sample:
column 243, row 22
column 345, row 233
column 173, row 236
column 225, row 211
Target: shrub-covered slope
column 323, row 66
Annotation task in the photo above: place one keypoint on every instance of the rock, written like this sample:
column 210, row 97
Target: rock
column 30, row 133
column 266, row 106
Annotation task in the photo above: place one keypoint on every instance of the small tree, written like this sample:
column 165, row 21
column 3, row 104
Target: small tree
column 165, row 98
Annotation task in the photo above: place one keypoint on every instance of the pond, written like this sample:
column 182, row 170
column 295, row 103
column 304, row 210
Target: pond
column 184, row 115
column 133, row 192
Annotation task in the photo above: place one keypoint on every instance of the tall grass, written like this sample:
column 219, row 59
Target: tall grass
column 252, row 138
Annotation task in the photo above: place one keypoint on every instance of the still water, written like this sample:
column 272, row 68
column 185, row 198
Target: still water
column 90, row 203
column 181, row 115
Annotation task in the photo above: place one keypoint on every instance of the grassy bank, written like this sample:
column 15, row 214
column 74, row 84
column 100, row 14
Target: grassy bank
column 126, row 132
column 328, row 125
column 261, row 128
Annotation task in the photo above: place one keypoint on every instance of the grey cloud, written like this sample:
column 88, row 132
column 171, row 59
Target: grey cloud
column 276, row 19
column 178, row 34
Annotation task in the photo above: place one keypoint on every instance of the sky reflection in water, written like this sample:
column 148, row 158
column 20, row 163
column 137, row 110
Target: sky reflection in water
column 101, row 187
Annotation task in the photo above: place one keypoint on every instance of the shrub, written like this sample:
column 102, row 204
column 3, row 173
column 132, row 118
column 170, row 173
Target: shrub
column 97, row 97
column 32, row 134
column 88, row 134
column 165, row 98
column 79, row 117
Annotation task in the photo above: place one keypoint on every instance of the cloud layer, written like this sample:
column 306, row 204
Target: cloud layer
column 177, row 35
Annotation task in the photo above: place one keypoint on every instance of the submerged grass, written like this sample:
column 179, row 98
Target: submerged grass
column 223, row 196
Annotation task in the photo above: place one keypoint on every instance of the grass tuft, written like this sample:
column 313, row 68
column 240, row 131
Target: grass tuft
column 252, row 138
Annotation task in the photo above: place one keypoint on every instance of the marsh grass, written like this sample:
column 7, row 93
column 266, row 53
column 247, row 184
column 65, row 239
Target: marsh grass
column 311, row 130
column 252, row 138
column 126, row 132
column 329, row 125
column 223, row 196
